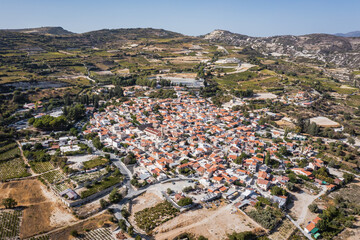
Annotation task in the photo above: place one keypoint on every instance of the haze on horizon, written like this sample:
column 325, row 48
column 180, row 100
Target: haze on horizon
column 253, row 18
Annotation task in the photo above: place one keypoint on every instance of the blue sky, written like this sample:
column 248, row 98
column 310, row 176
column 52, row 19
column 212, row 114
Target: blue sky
column 196, row 17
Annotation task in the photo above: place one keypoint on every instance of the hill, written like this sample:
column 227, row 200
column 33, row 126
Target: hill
column 46, row 38
column 42, row 30
column 327, row 48
column 349, row 34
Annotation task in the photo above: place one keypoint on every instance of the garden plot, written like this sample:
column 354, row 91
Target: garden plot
column 10, row 224
column 53, row 176
column 41, row 167
column 86, row 177
column 100, row 233
column 14, row 168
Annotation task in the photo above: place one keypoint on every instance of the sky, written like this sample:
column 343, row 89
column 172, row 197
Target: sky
column 194, row 17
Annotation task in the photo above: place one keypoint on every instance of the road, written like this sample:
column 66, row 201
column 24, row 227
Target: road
column 298, row 226
column 306, row 203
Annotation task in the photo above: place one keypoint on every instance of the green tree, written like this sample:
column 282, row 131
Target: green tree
column 122, row 224
column 131, row 230
column 114, row 196
column 9, row 202
column 313, row 208
column 185, row 201
column 267, row 158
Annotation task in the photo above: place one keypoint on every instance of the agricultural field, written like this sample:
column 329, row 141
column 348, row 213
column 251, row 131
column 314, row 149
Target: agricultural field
column 9, row 151
column 53, row 176
column 41, row 167
column 100, row 233
column 149, row 218
column 45, row 237
column 11, row 165
column 14, row 168
column 10, row 224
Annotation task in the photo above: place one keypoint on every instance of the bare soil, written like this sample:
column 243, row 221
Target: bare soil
column 101, row 220
column 211, row 223
column 43, row 211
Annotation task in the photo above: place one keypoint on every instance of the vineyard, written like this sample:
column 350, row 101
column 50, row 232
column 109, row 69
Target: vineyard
column 14, row 168
column 10, row 224
column 53, row 176
column 45, row 237
column 9, row 152
column 100, row 233
column 41, row 167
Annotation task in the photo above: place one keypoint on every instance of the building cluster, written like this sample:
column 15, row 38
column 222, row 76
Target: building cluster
column 189, row 136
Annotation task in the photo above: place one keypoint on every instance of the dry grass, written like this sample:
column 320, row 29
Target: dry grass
column 211, row 223
column 43, row 211
column 101, row 220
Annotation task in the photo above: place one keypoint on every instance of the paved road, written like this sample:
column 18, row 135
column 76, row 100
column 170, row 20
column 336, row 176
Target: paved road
column 298, row 226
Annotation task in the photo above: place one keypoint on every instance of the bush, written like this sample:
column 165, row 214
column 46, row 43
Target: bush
column 313, row 208
column 74, row 233
column 185, row 201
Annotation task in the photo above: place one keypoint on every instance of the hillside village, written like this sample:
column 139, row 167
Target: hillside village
column 174, row 138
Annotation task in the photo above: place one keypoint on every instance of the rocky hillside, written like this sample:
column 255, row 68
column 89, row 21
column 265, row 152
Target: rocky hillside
column 42, row 30
column 50, row 38
column 340, row 51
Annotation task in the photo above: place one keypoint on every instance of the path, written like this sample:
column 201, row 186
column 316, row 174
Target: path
column 24, row 158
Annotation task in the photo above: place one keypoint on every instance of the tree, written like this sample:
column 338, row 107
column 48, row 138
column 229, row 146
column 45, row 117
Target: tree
column 201, row 237
column 185, row 201
column 313, row 208
column 351, row 140
column 267, row 158
column 169, row 191
column 97, row 143
column 103, row 203
column 114, row 196
column 74, row 233
column 290, row 186
column 138, row 237
column 348, row 177
column 131, row 230
column 122, row 224
column 9, row 202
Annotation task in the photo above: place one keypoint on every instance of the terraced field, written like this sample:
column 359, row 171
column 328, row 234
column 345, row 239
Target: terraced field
column 10, row 224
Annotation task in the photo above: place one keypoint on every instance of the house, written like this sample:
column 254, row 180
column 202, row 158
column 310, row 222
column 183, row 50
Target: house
column 309, row 227
column 263, row 184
